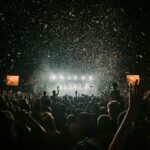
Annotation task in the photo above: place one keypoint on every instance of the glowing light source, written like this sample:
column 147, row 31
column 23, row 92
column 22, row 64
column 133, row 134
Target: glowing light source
column 74, row 86
column 75, row 77
column 61, row 77
column 83, row 77
column 53, row 77
column 90, row 78
column 86, row 86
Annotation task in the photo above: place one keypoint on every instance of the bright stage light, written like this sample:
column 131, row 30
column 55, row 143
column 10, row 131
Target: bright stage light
column 90, row 78
column 60, row 87
column 86, row 86
column 61, row 77
column 75, row 77
column 53, row 77
column 75, row 86
column 83, row 77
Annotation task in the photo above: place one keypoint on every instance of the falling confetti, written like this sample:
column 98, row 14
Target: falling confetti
column 102, row 37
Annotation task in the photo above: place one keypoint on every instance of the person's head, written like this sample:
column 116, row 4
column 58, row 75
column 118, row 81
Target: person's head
column 54, row 92
column 3, row 105
column 44, row 93
column 71, row 119
column 47, row 121
column 103, row 110
column 113, row 108
column 103, row 124
column 114, row 85
column 7, row 120
column 86, row 124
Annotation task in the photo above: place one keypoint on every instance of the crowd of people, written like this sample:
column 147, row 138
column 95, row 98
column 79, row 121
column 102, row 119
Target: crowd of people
column 110, row 122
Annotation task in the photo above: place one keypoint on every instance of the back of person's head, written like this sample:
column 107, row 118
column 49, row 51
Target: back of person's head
column 113, row 108
column 47, row 121
column 60, row 109
column 86, row 124
column 6, row 121
column 3, row 105
column 44, row 93
column 115, row 85
column 54, row 92
column 103, row 124
column 121, row 117
column 24, row 104
column 71, row 119
column 103, row 110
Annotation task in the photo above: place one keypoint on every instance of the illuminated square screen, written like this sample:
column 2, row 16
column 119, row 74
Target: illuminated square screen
column 12, row 80
column 131, row 79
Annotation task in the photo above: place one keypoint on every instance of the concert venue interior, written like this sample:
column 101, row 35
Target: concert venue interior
column 64, row 58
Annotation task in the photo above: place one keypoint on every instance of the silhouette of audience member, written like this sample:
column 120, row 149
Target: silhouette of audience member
column 113, row 108
column 53, row 136
column 68, row 127
column 45, row 102
column 115, row 95
column 54, row 96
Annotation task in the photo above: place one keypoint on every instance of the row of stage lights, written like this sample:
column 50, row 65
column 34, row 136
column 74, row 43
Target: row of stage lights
column 69, row 78
column 75, row 87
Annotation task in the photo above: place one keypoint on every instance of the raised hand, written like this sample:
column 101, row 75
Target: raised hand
column 136, row 95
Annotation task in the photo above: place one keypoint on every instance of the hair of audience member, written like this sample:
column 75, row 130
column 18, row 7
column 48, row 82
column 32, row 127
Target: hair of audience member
column 71, row 119
column 121, row 117
column 114, row 85
column 103, row 124
column 54, row 92
column 44, row 93
column 3, row 105
column 113, row 108
column 48, row 122
column 24, row 104
column 86, row 124
column 6, row 121
column 103, row 110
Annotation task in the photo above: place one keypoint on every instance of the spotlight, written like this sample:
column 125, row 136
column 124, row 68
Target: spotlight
column 61, row 77
column 74, row 86
column 75, row 77
column 53, row 77
column 90, row 78
column 83, row 77
column 86, row 86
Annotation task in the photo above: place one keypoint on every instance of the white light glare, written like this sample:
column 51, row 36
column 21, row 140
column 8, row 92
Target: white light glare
column 61, row 77
column 53, row 77
column 74, row 86
column 90, row 78
column 75, row 77
column 83, row 77
column 86, row 86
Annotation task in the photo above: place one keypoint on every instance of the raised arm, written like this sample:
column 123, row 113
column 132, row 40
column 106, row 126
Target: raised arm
column 57, row 90
column 135, row 99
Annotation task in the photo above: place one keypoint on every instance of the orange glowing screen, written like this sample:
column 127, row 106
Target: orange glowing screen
column 131, row 79
column 12, row 80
